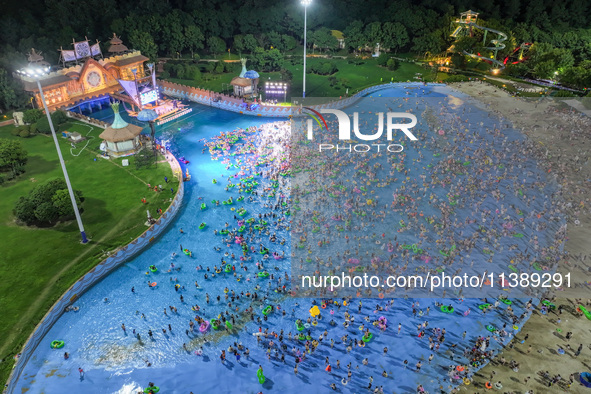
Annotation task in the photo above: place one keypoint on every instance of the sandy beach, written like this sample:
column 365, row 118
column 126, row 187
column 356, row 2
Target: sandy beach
column 563, row 137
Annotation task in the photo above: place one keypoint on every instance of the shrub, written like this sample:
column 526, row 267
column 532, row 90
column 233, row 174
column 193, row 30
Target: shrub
column 179, row 71
column 209, row 67
column 46, row 204
column 32, row 115
column 323, row 68
column 24, row 133
column 563, row 93
column 33, row 128
column 16, row 131
column 164, row 75
column 59, row 118
column 457, row 78
column 393, row 64
column 383, row 59
column 219, row 67
column 43, row 126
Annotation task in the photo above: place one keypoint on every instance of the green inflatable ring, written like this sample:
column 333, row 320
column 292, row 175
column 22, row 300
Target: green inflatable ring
column 202, row 226
column 491, row 328
column 367, row 339
column 153, row 389
column 445, row 309
column 483, row 306
column 267, row 310
column 57, row 344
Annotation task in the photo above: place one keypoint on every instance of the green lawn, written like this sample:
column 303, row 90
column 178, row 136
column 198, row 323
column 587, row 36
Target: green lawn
column 39, row 265
column 357, row 77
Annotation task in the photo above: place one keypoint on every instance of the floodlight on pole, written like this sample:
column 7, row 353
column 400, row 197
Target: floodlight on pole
column 35, row 73
column 305, row 3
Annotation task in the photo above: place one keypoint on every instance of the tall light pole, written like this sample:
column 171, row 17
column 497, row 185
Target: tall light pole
column 36, row 72
column 305, row 3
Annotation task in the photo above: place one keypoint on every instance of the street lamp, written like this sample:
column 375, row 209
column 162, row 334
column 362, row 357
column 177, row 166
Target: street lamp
column 36, row 72
column 305, row 3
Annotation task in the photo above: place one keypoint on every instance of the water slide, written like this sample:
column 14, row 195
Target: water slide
column 456, row 31
column 498, row 44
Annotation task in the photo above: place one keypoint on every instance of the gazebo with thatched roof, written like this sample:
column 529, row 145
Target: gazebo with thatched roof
column 121, row 138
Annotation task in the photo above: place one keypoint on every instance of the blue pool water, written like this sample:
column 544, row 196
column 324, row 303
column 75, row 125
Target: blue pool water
column 114, row 361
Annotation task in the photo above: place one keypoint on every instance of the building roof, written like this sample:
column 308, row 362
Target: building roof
column 31, row 86
column 131, row 60
column 117, row 45
column 127, row 133
column 337, row 34
column 251, row 74
column 238, row 81
column 120, row 130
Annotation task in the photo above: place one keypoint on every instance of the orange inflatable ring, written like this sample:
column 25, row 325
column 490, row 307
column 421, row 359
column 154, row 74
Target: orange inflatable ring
column 153, row 284
column 323, row 306
column 488, row 385
column 459, row 368
column 381, row 295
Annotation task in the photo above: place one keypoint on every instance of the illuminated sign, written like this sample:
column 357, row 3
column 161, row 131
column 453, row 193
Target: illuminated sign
column 149, row 97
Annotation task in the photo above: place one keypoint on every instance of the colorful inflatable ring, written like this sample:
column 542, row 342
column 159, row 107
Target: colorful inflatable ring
column 153, row 389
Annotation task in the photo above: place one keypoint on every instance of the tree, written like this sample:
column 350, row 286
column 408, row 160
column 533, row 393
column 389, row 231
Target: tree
column 8, row 95
column 288, row 42
column 219, row 67
column 249, row 43
column 324, row 40
column 216, row 45
column 143, row 41
column 270, row 60
column 194, row 38
column 356, row 38
column 47, row 203
column 24, row 210
column 427, row 43
column 394, row 36
column 173, row 40
column 13, row 157
column 238, row 43
column 274, row 40
column 63, row 204
column 59, row 117
column 31, row 116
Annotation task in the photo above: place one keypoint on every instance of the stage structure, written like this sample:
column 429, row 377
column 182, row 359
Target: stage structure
column 86, row 79
column 84, row 74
